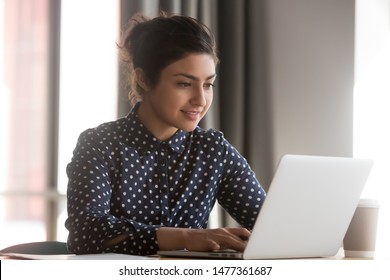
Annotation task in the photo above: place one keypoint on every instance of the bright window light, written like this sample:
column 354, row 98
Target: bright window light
column 88, row 75
column 371, row 105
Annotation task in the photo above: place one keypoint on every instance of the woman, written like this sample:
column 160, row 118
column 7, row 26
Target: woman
column 149, row 181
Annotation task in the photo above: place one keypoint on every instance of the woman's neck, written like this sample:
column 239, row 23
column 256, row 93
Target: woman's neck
column 154, row 125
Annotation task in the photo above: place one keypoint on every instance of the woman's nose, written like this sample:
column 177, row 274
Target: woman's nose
column 199, row 97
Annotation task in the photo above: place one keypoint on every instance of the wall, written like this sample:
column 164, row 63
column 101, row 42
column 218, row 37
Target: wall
column 310, row 67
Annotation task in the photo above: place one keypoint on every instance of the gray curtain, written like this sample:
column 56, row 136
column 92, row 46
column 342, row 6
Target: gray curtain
column 240, row 103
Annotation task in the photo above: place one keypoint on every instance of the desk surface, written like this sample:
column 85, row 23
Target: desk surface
column 107, row 256
column 113, row 256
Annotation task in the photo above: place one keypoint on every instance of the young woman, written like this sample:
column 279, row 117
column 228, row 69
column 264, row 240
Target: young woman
column 149, row 181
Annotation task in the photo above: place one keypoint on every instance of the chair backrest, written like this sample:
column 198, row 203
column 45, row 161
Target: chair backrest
column 38, row 248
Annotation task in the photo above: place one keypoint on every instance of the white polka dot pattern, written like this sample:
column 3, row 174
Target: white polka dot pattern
column 122, row 180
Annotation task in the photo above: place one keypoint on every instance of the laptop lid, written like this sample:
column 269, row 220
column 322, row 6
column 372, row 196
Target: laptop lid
column 308, row 208
column 307, row 211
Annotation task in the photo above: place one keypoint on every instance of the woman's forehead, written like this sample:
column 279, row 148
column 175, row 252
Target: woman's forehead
column 193, row 66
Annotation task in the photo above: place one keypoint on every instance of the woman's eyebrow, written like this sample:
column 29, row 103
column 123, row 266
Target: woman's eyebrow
column 189, row 76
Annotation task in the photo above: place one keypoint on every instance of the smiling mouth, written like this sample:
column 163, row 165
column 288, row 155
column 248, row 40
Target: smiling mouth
column 192, row 112
column 193, row 115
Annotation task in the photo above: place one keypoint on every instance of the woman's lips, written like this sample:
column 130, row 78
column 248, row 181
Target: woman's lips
column 192, row 115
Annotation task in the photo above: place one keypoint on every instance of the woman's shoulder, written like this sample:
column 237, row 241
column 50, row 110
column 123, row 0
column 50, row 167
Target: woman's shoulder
column 104, row 130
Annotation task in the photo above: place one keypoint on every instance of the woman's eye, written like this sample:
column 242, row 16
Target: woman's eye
column 184, row 84
column 209, row 85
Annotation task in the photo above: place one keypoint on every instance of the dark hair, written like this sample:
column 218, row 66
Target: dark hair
column 153, row 44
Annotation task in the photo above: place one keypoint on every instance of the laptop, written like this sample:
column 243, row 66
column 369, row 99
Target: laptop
column 307, row 211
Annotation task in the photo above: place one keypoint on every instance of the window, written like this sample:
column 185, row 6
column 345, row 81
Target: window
column 89, row 66
column 23, row 119
column 372, row 103
column 30, row 201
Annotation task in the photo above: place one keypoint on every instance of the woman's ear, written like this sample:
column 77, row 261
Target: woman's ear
column 141, row 80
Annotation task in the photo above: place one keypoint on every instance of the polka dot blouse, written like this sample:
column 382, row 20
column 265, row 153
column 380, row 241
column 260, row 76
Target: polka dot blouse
column 123, row 180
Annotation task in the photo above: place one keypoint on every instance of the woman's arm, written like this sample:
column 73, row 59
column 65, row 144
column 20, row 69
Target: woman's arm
column 239, row 193
column 92, row 225
column 169, row 238
column 202, row 239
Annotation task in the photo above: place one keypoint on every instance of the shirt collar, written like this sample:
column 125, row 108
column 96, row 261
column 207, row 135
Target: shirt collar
column 141, row 138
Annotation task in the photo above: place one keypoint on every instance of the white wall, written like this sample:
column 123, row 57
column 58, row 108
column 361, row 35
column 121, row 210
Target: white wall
column 311, row 66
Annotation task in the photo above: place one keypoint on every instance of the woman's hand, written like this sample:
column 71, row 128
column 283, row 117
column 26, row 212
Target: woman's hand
column 202, row 239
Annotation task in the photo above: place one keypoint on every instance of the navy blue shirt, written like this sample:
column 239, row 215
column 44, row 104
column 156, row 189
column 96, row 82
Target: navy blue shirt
column 123, row 180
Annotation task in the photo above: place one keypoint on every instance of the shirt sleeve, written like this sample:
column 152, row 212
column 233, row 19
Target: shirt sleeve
column 240, row 193
column 89, row 221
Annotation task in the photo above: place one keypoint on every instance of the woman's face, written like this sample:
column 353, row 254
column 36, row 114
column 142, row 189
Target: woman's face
column 181, row 98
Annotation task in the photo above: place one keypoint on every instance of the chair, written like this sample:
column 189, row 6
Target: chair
column 38, row 248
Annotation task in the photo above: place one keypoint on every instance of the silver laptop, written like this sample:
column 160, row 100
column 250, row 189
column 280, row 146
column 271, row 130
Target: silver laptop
column 307, row 211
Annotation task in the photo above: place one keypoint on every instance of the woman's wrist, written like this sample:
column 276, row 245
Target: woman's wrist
column 169, row 238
